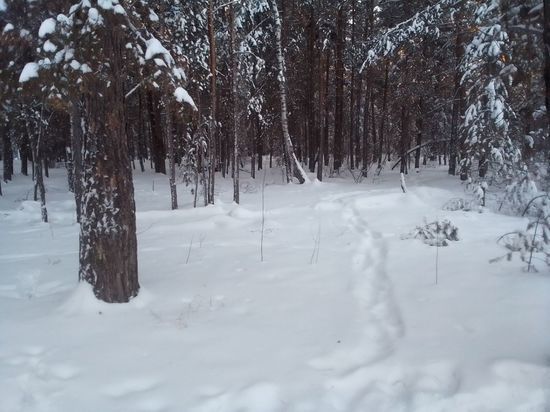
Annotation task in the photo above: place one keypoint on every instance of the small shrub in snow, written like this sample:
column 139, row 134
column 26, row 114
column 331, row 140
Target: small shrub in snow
column 459, row 203
column 518, row 194
column 437, row 233
column 533, row 243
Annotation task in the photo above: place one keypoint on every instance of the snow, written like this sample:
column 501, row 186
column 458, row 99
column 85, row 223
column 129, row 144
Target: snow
column 47, row 27
column 29, row 71
column 341, row 316
column 49, row 46
column 8, row 27
column 182, row 96
column 155, row 48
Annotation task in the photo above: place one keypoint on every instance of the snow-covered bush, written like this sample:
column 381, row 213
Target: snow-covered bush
column 532, row 243
column 518, row 194
column 458, row 203
column 437, row 233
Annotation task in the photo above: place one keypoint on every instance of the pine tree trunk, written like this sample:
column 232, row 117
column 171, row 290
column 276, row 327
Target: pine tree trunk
column 7, row 152
column 365, row 152
column 24, row 154
column 157, row 144
column 418, row 135
column 310, row 99
column 108, row 244
column 36, row 147
column 403, row 146
column 293, row 167
column 233, row 109
column 212, row 125
column 382, row 122
column 327, row 111
column 352, row 120
column 339, row 92
column 457, row 105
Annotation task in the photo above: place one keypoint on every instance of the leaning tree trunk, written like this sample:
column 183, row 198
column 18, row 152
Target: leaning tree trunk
column 108, row 245
column 293, row 167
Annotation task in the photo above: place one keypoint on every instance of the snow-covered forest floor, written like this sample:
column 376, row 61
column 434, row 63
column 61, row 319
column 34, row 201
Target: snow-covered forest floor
column 341, row 315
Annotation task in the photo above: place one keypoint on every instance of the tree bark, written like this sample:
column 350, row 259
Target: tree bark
column 404, row 138
column 310, row 93
column 171, row 156
column 457, row 105
column 108, row 244
column 382, row 122
column 339, row 89
column 212, row 125
column 418, row 135
column 7, row 152
column 233, row 109
column 157, row 144
column 293, row 167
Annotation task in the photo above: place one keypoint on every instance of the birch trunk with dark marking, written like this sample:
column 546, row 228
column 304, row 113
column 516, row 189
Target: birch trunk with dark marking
column 171, row 156
column 293, row 167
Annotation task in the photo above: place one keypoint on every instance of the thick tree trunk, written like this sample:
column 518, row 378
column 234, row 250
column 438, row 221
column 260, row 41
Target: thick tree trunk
column 293, row 166
column 108, row 244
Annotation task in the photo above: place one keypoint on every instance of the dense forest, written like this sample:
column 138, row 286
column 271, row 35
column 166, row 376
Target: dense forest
column 206, row 90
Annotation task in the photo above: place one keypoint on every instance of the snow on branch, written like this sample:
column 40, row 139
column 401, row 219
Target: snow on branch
column 425, row 22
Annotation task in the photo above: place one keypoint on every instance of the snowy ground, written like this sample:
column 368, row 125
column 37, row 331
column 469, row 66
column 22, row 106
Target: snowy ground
column 342, row 315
